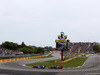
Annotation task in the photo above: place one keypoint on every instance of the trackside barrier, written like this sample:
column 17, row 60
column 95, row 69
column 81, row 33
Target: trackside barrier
column 16, row 59
column 77, row 54
column 97, row 53
column 65, row 60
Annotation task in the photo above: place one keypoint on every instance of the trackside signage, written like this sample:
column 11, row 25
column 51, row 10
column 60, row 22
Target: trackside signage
column 61, row 40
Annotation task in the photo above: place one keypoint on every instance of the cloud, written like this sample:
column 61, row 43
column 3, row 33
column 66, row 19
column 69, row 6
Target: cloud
column 40, row 21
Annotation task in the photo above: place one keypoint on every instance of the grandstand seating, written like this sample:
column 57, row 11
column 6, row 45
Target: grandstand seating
column 80, row 47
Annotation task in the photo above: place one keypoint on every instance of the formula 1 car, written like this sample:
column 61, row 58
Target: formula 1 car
column 56, row 67
column 40, row 67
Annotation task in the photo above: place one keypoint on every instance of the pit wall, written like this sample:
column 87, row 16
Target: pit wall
column 16, row 59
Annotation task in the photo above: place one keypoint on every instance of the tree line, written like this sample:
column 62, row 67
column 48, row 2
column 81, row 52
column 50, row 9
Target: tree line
column 32, row 49
column 24, row 48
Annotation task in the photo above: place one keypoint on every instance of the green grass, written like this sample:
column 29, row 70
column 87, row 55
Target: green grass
column 73, row 63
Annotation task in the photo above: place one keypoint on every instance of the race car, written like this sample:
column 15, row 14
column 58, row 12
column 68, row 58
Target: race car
column 56, row 67
column 41, row 67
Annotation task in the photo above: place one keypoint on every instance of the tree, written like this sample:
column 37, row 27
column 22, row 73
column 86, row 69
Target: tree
column 48, row 48
column 40, row 50
column 96, row 47
column 27, row 49
column 9, row 45
column 35, row 50
column 23, row 44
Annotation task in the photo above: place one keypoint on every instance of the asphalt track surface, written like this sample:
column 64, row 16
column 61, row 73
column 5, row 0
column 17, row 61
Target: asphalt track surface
column 90, row 67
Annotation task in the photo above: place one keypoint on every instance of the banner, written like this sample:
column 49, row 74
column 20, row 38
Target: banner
column 61, row 40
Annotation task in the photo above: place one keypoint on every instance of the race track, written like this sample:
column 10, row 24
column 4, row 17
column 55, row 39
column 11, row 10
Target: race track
column 91, row 66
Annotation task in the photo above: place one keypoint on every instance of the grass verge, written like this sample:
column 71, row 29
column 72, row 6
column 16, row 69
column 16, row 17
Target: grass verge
column 73, row 63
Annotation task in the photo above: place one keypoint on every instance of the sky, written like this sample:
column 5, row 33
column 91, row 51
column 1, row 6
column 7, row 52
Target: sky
column 39, row 22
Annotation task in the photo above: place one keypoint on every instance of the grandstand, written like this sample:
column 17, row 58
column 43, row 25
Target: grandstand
column 81, row 47
column 3, row 51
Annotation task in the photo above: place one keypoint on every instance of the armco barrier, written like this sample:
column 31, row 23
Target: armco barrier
column 16, row 59
column 77, row 54
column 65, row 60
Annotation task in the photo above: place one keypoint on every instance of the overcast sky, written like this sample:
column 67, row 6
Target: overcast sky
column 38, row 22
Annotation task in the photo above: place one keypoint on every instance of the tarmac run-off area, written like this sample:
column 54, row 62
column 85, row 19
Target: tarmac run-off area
column 90, row 67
